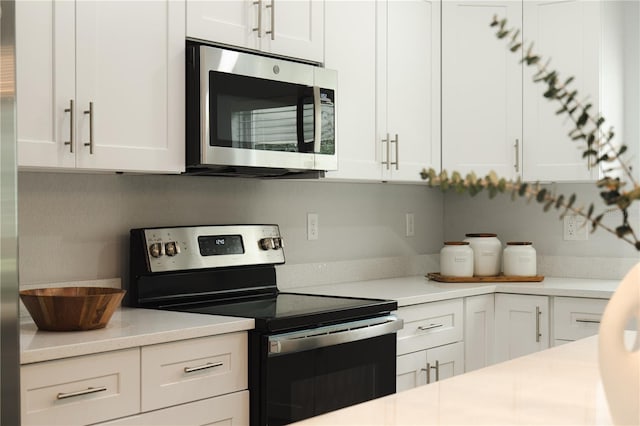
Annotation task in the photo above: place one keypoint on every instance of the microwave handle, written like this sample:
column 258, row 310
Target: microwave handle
column 317, row 119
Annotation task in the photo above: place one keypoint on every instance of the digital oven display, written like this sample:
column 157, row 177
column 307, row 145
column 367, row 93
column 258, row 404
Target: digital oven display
column 215, row 245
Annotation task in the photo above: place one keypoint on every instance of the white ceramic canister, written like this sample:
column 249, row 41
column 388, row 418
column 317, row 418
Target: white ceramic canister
column 487, row 254
column 456, row 259
column 519, row 259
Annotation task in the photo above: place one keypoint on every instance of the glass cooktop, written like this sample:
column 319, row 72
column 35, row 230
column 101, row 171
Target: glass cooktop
column 292, row 310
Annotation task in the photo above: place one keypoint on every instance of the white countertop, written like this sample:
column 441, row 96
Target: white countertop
column 556, row 386
column 419, row 289
column 129, row 327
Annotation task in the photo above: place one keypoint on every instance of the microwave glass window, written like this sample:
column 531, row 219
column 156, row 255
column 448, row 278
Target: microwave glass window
column 259, row 114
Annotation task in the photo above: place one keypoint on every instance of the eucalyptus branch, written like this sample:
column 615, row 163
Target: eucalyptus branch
column 599, row 143
column 494, row 185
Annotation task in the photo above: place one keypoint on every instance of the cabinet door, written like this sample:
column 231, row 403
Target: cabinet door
column 411, row 370
column 445, row 361
column 230, row 22
column 45, row 67
column 297, row 26
column 410, row 105
column 481, row 90
column 522, row 325
column 479, row 330
column 568, row 32
column 575, row 318
column 353, row 54
column 230, row 409
column 134, row 79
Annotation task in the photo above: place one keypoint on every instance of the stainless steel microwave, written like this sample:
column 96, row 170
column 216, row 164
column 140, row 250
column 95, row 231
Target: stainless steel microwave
column 255, row 115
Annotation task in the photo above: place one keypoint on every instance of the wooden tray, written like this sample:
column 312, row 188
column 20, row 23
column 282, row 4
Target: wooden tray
column 435, row 276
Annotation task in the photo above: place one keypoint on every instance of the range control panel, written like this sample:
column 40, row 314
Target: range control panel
column 215, row 246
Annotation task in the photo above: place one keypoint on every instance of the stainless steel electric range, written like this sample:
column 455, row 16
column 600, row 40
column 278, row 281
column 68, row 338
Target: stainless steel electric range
column 308, row 354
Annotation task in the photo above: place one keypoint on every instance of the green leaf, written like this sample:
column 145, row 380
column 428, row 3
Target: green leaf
column 548, row 205
column 540, row 195
column 515, row 47
column 590, row 212
column 589, row 153
column 559, row 201
column 522, row 190
column 582, row 120
column 599, row 122
column 572, row 199
column 623, row 230
column 596, row 222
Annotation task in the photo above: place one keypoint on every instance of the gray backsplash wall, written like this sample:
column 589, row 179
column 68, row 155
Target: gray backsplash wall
column 75, row 226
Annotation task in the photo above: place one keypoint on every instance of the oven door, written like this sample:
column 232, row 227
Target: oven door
column 265, row 112
column 311, row 372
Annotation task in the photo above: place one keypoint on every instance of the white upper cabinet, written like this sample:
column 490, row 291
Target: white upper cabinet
column 570, row 34
column 101, row 85
column 293, row 28
column 388, row 96
column 481, row 90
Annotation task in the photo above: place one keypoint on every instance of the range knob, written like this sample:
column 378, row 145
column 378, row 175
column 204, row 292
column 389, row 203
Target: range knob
column 266, row 243
column 171, row 248
column 277, row 243
column 155, row 249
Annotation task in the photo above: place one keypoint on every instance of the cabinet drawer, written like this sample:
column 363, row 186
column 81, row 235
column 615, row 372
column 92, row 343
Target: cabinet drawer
column 430, row 324
column 575, row 318
column 81, row 390
column 178, row 372
column 231, row 409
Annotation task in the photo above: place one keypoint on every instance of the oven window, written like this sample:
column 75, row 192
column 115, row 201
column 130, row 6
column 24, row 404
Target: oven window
column 259, row 114
column 305, row 384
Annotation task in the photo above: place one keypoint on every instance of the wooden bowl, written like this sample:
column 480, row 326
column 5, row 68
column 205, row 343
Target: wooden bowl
column 71, row 308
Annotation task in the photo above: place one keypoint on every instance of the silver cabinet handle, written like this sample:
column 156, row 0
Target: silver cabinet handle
column 388, row 160
column 588, row 321
column 203, row 367
column 428, row 370
column 259, row 27
column 517, row 147
column 90, row 143
column 538, row 313
column 429, row 327
column 272, row 31
column 71, row 125
column 396, row 141
column 82, row 392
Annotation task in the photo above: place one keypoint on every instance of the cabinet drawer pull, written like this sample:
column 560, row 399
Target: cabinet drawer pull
column 388, row 161
column 90, row 143
column 588, row 321
column 429, row 327
column 203, row 367
column 71, row 125
column 82, row 392
column 517, row 147
column 428, row 370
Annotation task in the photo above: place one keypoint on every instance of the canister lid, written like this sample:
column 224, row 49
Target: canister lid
column 519, row 243
column 481, row 235
column 456, row 243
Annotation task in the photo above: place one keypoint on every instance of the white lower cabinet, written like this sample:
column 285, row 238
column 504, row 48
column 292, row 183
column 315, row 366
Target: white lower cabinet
column 479, row 331
column 430, row 344
column 575, row 318
column 522, row 325
column 231, row 409
column 189, row 382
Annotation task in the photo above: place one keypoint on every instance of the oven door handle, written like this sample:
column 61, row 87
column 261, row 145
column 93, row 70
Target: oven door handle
column 319, row 337
column 317, row 119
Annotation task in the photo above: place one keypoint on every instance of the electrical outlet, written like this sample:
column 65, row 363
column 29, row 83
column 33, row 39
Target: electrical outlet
column 312, row 226
column 409, row 225
column 575, row 228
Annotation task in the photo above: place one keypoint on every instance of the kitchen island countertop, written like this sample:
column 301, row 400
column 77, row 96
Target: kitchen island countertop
column 419, row 289
column 557, row 386
column 129, row 327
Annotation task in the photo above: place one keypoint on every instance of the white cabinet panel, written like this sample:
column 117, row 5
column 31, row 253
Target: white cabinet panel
column 131, row 79
column 479, row 330
column 81, row 390
column 522, row 325
column 231, row 409
column 183, row 371
column 481, row 90
column 445, row 361
column 575, row 318
column 411, row 370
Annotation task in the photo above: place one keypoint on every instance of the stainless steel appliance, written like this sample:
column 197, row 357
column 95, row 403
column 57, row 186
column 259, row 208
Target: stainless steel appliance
column 9, row 338
column 308, row 354
column 258, row 115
